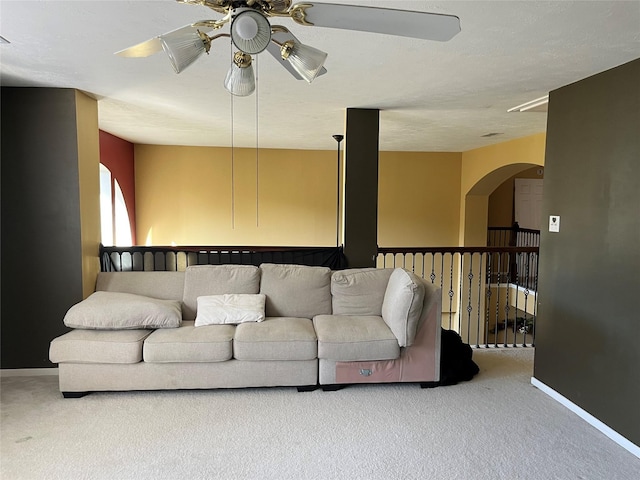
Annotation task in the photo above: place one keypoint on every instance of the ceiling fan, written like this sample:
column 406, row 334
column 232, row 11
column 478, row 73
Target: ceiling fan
column 252, row 33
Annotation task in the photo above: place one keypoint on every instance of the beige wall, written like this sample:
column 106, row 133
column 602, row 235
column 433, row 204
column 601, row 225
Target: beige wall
column 89, row 187
column 185, row 196
column 418, row 199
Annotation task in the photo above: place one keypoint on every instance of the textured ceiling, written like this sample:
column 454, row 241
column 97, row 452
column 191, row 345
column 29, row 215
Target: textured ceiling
column 433, row 96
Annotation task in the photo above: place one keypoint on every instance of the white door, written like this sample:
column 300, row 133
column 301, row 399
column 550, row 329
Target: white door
column 528, row 202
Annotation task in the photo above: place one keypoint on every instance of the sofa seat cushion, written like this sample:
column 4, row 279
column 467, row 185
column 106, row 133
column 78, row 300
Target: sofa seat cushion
column 355, row 338
column 276, row 338
column 98, row 346
column 211, row 343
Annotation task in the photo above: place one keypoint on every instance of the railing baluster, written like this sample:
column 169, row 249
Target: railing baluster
column 469, row 307
column 433, row 266
column 460, row 274
column 479, row 321
column 451, row 293
column 488, row 300
column 499, row 268
column 535, row 298
column 508, row 280
column 517, row 289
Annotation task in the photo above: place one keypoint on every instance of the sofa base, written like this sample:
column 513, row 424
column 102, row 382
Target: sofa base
column 334, row 387
column 308, row 388
column 80, row 378
column 75, row 394
column 429, row 384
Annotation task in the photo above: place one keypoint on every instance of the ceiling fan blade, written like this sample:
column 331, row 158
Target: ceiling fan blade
column 153, row 45
column 274, row 50
column 404, row 23
column 143, row 49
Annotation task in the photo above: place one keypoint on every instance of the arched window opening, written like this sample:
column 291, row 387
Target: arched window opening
column 114, row 218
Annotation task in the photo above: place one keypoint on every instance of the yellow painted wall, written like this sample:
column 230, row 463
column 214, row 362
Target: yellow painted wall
column 288, row 197
column 89, row 187
column 192, row 196
column 418, row 199
column 480, row 162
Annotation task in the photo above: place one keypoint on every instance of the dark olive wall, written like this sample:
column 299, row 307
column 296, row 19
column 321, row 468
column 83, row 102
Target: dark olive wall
column 588, row 332
column 361, row 187
column 41, row 251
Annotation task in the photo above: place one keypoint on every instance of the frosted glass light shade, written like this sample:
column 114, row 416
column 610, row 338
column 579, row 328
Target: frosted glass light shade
column 306, row 60
column 182, row 49
column 246, row 27
column 240, row 81
column 250, row 31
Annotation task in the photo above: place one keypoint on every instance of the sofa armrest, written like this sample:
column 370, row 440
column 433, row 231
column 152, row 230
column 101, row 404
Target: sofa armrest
column 432, row 296
column 402, row 305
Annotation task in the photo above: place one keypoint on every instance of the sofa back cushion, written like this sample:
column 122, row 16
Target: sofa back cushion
column 359, row 291
column 296, row 290
column 123, row 311
column 402, row 305
column 163, row 285
column 201, row 280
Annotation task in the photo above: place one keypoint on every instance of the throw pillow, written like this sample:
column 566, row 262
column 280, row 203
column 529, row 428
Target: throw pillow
column 232, row 308
column 123, row 311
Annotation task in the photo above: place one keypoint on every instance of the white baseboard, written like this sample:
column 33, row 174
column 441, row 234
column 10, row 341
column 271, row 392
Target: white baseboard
column 27, row 372
column 587, row 417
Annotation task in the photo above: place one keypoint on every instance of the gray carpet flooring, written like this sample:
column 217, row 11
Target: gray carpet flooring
column 495, row 426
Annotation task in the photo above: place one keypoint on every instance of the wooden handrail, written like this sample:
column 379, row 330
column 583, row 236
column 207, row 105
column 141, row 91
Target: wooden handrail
column 386, row 250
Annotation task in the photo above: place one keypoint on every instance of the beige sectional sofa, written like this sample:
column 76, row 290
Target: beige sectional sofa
column 231, row 326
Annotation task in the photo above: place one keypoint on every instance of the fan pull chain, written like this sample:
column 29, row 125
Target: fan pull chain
column 233, row 183
column 257, row 151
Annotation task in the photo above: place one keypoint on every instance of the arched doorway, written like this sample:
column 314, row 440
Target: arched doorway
column 511, row 306
column 476, row 201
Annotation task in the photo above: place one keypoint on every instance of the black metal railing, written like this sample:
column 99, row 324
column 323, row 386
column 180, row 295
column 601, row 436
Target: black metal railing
column 489, row 294
column 162, row 258
column 513, row 236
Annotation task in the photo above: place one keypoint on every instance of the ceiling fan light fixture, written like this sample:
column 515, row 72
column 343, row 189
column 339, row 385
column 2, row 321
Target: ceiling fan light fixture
column 250, row 31
column 240, row 79
column 183, row 49
column 306, row 60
